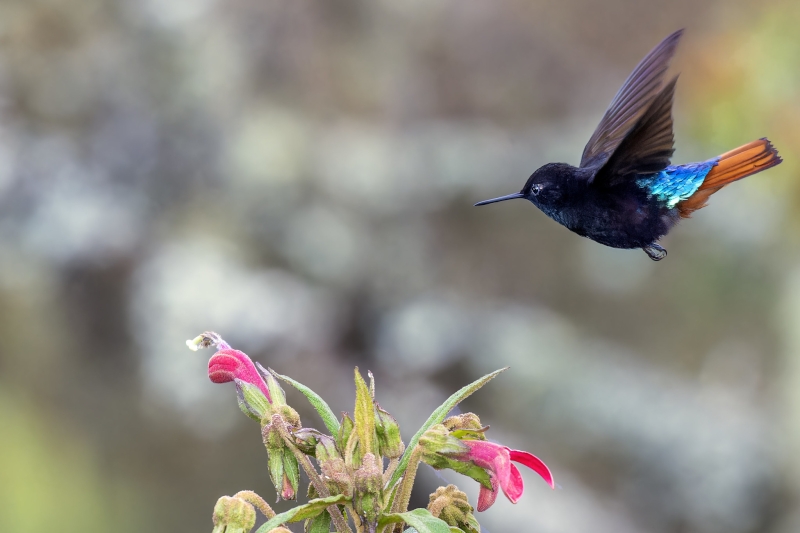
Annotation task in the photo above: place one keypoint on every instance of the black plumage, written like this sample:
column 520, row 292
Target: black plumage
column 624, row 193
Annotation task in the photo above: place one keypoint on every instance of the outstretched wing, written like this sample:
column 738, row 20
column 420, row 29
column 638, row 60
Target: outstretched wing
column 648, row 147
column 630, row 103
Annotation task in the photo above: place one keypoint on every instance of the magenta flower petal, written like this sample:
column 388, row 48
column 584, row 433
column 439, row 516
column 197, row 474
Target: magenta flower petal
column 229, row 364
column 535, row 464
column 497, row 460
column 487, row 497
column 514, row 485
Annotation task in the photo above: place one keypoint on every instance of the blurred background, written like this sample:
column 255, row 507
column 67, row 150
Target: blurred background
column 298, row 175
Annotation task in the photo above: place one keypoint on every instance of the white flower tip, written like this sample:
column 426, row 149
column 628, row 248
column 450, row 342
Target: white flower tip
column 206, row 339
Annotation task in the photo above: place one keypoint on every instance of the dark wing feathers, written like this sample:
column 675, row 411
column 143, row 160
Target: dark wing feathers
column 630, row 103
column 648, row 147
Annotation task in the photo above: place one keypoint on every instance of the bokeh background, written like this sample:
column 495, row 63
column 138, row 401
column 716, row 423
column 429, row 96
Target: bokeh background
column 298, row 175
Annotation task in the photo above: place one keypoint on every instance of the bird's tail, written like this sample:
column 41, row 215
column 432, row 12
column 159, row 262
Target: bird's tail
column 739, row 163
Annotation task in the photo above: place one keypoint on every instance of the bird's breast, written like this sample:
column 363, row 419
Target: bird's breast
column 626, row 218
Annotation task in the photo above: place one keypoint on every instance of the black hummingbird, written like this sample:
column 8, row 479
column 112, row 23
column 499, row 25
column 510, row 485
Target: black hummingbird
column 625, row 193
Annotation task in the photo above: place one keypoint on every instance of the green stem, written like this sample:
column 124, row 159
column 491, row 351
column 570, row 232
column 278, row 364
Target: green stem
column 390, row 468
column 336, row 515
column 256, row 501
column 356, row 519
column 403, row 496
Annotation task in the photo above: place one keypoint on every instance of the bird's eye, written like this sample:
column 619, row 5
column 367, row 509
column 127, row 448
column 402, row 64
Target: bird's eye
column 536, row 189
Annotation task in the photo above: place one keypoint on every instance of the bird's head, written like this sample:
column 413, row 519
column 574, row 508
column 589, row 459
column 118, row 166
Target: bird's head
column 546, row 188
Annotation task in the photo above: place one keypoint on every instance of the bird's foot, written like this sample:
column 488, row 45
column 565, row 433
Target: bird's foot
column 655, row 251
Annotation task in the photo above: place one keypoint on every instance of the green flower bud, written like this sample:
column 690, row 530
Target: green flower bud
column 438, row 440
column 306, row 440
column 290, row 417
column 451, row 505
column 275, row 390
column 251, row 400
column 326, row 450
column 233, row 515
column 335, row 473
column 272, row 437
column 466, row 426
column 275, row 463
column 390, row 444
column 283, row 468
column 291, row 475
column 368, row 499
column 441, row 450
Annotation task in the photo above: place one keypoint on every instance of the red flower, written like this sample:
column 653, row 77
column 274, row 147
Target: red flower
column 496, row 459
column 229, row 364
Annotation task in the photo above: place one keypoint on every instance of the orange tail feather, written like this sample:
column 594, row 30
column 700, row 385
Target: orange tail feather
column 734, row 165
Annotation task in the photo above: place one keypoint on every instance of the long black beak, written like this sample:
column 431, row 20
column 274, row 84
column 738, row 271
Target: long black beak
column 502, row 198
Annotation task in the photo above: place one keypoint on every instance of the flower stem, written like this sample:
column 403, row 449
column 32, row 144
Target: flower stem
column 403, row 496
column 257, row 501
column 336, row 515
column 356, row 519
column 390, row 468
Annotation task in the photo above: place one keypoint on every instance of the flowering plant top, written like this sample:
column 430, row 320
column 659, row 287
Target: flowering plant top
column 360, row 471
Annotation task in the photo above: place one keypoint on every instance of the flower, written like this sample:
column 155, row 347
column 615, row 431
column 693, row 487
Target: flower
column 451, row 505
column 233, row 515
column 229, row 364
column 497, row 460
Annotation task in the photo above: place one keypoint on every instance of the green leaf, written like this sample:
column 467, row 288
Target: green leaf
column 438, row 417
column 319, row 524
column 316, row 401
column 302, row 512
column 344, row 432
column 364, row 414
column 420, row 519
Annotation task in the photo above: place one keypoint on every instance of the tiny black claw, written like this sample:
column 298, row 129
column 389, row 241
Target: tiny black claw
column 655, row 252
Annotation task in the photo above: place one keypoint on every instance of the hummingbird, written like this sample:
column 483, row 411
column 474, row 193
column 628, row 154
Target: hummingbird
column 625, row 193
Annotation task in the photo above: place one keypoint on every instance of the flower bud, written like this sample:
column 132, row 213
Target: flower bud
column 229, row 364
column 290, row 417
column 440, row 449
column 252, row 401
column 334, row 471
column 306, row 440
column 280, row 529
column 275, row 390
column 368, row 479
column 390, row 444
column 291, row 475
column 451, row 505
column 283, row 468
column 466, row 426
column 438, row 440
column 233, row 515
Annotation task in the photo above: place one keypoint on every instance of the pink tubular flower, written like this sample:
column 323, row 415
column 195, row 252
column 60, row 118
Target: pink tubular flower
column 496, row 459
column 229, row 364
